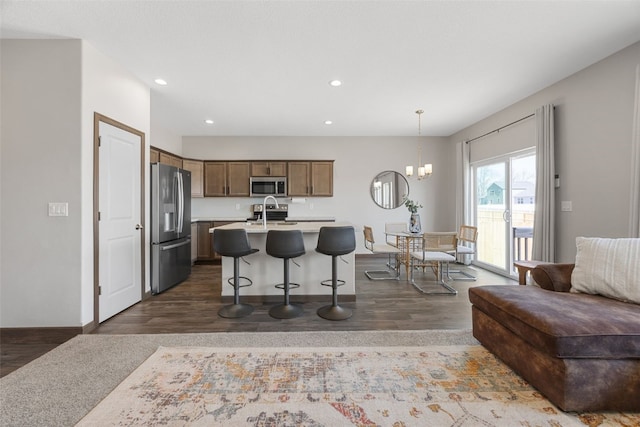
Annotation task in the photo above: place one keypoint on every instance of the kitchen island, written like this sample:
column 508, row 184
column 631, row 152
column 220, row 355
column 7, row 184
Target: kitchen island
column 266, row 271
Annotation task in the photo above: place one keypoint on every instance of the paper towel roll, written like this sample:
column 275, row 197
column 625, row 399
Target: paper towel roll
column 298, row 200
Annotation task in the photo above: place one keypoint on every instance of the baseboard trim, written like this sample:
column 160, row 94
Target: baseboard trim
column 52, row 335
column 274, row 299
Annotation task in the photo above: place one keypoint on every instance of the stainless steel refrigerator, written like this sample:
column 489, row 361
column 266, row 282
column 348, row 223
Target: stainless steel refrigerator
column 170, row 226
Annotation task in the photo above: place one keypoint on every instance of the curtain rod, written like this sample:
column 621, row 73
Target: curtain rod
column 500, row 128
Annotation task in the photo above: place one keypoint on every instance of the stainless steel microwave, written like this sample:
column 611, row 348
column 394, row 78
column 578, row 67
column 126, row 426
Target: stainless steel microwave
column 268, row 186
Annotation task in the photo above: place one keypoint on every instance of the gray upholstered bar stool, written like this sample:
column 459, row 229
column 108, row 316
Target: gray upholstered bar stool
column 335, row 241
column 285, row 244
column 234, row 243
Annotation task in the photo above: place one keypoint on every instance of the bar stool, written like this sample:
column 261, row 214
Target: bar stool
column 234, row 243
column 335, row 241
column 285, row 244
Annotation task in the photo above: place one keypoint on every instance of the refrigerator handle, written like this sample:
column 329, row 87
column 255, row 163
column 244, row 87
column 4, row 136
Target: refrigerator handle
column 180, row 203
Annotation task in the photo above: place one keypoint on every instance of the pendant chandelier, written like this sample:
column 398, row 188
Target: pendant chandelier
column 424, row 171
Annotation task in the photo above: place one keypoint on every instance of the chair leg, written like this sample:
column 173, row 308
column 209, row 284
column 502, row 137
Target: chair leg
column 286, row 310
column 235, row 310
column 334, row 311
column 384, row 274
column 439, row 281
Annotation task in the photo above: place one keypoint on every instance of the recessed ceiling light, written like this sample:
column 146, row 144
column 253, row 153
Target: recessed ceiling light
column 209, row 121
column 335, row 83
column 328, row 122
column 161, row 82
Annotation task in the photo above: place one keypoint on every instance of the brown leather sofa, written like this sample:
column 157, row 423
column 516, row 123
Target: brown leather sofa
column 581, row 351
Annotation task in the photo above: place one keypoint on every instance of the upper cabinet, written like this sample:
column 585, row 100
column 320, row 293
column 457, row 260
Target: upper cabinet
column 310, row 178
column 196, row 167
column 170, row 159
column 226, row 179
column 154, row 155
column 238, row 179
column 306, row 178
column 215, row 179
column 268, row 168
column 322, row 179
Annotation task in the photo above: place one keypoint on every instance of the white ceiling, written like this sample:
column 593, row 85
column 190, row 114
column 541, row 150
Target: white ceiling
column 263, row 67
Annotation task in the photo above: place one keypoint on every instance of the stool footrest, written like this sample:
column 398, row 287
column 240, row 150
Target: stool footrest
column 291, row 285
column 230, row 281
column 329, row 282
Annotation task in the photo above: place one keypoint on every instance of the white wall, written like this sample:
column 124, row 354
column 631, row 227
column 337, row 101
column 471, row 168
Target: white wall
column 41, row 109
column 357, row 161
column 50, row 90
column 594, row 119
column 165, row 139
column 108, row 89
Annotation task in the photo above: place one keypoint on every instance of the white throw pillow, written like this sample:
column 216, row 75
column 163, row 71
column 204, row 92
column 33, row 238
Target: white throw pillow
column 608, row 267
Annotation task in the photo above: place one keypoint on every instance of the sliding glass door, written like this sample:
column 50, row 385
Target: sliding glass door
column 504, row 208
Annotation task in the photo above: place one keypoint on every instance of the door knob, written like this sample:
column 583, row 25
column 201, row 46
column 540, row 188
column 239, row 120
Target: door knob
column 139, row 227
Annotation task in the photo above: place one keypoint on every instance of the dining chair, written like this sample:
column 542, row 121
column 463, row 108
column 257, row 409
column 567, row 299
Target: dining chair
column 380, row 248
column 467, row 239
column 390, row 235
column 434, row 252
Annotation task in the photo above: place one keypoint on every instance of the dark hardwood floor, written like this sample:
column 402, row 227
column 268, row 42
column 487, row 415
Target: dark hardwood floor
column 192, row 307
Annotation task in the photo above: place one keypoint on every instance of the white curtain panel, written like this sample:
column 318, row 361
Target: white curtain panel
column 544, row 239
column 634, row 218
column 463, row 185
column 464, row 214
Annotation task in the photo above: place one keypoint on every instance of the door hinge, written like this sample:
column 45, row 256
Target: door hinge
column 99, row 216
column 99, row 141
column 99, row 290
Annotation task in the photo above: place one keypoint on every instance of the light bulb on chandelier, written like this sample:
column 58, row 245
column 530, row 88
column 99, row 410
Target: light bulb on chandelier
column 424, row 171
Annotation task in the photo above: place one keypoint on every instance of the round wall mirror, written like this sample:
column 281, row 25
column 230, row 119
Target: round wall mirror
column 389, row 189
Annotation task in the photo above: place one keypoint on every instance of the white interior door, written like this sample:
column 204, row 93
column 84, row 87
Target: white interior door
column 120, row 234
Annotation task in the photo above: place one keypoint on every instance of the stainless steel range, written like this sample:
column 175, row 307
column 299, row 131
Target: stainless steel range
column 273, row 213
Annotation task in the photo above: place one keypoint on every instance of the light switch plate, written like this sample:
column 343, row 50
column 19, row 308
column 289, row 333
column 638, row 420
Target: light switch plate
column 566, row 206
column 58, row 209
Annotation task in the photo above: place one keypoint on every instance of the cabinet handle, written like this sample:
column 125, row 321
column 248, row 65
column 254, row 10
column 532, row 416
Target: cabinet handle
column 268, row 170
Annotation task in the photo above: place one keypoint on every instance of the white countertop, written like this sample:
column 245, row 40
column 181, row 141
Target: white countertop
column 305, row 227
column 219, row 218
column 311, row 218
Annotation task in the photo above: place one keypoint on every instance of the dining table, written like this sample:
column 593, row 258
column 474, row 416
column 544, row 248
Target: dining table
column 409, row 242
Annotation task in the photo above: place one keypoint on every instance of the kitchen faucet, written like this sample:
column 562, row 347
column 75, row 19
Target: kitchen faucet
column 264, row 210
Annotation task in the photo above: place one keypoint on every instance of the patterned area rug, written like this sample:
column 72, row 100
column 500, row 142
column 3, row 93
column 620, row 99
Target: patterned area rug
column 395, row 386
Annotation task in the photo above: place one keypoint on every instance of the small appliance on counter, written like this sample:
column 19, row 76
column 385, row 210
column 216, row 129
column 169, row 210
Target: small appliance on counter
column 170, row 226
column 273, row 212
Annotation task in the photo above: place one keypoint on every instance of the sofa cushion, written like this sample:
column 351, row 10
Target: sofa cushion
column 563, row 324
column 609, row 267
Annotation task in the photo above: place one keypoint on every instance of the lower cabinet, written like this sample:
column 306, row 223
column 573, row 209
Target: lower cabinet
column 205, row 247
column 205, row 240
column 194, row 242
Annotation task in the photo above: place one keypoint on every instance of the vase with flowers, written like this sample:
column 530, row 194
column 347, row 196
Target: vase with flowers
column 414, row 220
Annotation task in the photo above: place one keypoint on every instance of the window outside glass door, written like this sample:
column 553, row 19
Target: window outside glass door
column 504, row 209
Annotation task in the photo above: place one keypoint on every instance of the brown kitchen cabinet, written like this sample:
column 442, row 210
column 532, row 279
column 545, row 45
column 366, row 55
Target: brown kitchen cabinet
column 226, row 179
column 154, row 155
column 196, row 167
column 205, row 247
column 314, row 178
column 205, row 240
column 238, row 179
column 268, row 168
column 194, row 242
column 215, row 179
column 170, row 159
